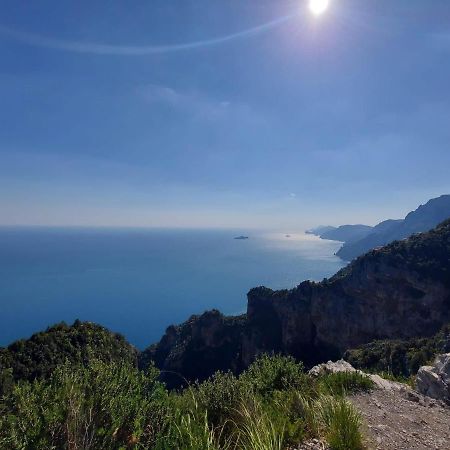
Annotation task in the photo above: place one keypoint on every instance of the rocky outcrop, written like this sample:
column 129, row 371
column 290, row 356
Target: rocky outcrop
column 197, row 348
column 343, row 366
column 434, row 381
column 399, row 291
column 331, row 367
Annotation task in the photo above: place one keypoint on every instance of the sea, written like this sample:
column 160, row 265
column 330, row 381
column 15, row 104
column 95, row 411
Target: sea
column 139, row 281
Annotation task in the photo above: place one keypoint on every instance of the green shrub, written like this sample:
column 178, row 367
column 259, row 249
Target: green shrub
column 220, row 396
column 400, row 358
column 275, row 373
column 341, row 383
column 80, row 343
column 100, row 406
column 272, row 405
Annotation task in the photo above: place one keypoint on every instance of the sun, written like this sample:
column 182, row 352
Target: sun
column 318, row 7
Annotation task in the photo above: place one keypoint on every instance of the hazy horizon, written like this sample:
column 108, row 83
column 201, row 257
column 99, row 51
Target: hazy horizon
column 286, row 221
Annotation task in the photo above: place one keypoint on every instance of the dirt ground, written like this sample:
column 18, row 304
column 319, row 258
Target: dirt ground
column 403, row 420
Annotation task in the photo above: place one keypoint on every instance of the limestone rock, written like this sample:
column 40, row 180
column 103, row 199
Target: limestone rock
column 434, row 381
column 331, row 367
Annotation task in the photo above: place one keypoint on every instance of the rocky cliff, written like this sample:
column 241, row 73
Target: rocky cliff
column 399, row 291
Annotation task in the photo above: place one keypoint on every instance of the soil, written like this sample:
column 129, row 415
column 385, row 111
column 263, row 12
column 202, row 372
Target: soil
column 401, row 419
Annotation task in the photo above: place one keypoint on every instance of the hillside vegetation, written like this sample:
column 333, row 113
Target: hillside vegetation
column 38, row 356
column 274, row 404
column 400, row 358
column 424, row 254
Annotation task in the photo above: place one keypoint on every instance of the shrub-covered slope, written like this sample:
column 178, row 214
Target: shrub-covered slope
column 102, row 406
column 401, row 358
column 37, row 357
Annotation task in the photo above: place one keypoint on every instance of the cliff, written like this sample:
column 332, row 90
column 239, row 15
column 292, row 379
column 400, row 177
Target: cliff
column 198, row 347
column 396, row 292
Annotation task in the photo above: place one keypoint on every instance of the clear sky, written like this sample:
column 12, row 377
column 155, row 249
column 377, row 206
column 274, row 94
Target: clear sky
column 231, row 113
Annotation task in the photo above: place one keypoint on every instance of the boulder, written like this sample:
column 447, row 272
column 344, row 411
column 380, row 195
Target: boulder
column 434, row 381
column 344, row 366
column 331, row 367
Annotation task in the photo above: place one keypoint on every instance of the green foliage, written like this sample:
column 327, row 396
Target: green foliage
column 38, row 356
column 257, row 431
column 341, row 423
column 275, row 373
column 99, row 406
column 193, row 433
column 399, row 359
column 341, row 383
column 427, row 254
column 220, row 396
column 272, row 405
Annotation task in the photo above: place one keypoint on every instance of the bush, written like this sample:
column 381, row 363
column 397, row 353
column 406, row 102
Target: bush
column 272, row 405
column 100, row 406
column 275, row 373
column 399, row 358
column 220, row 396
column 341, row 383
column 79, row 343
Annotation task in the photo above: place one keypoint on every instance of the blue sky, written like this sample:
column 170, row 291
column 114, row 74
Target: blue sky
column 273, row 118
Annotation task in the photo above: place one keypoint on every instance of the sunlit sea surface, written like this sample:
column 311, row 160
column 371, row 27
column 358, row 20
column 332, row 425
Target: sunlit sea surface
column 137, row 282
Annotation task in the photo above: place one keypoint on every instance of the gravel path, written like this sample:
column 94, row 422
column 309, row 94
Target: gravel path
column 403, row 420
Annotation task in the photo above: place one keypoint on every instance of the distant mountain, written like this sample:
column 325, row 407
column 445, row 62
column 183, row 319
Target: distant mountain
column 344, row 233
column 317, row 231
column 424, row 218
column 347, row 233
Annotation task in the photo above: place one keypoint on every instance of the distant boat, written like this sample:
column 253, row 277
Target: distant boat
column 241, row 237
column 288, row 235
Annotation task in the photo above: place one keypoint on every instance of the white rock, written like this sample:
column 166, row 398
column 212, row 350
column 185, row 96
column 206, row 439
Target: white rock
column 332, row 367
column 434, row 381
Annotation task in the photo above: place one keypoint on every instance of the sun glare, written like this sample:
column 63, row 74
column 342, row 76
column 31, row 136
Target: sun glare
column 318, row 7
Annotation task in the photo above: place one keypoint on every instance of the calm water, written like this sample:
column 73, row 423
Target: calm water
column 137, row 282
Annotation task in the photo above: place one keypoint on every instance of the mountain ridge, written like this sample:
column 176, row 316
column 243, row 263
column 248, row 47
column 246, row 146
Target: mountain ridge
column 422, row 219
column 359, row 239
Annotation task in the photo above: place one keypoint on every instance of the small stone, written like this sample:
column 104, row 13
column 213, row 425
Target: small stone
column 412, row 397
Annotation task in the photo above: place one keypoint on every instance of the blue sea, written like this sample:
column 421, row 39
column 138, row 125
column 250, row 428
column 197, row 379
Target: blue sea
column 139, row 281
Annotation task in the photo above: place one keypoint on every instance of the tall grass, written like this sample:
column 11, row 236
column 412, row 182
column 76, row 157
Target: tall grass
column 256, row 430
column 274, row 405
column 335, row 419
column 341, row 423
column 342, row 383
column 195, row 434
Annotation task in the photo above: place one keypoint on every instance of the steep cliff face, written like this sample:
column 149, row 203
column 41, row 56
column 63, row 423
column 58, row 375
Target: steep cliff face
column 319, row 321
column 399, row 291
column 197, row 348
